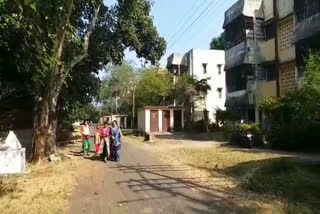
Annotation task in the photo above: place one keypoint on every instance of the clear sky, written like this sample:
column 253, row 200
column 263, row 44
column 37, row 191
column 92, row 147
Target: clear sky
column 173, row 17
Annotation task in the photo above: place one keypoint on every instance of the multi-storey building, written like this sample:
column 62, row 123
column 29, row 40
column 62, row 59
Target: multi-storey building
column 306, row 36
column 203, row 64
column 250, row 58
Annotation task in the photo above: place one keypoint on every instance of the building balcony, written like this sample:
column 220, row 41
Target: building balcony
column 237, row 98
column 242, row 53
column 247, row 8
column 307, row 20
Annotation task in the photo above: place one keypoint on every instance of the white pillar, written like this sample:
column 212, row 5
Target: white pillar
column 160, row 120
column 182, row 118
column 171, row 120
column 147, row 122
column 125, row 122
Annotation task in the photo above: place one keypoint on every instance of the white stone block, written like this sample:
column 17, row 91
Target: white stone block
column 12, row 155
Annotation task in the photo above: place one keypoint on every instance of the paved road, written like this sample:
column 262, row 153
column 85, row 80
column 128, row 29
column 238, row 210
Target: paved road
column 140, row 184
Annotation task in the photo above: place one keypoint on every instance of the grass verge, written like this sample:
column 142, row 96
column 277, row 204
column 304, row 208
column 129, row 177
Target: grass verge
column 273, row 177
column 45, row 189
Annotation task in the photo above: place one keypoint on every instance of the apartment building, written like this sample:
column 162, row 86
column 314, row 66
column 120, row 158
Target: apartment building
column 250, row 58
column 203, row 64
column 267, row 42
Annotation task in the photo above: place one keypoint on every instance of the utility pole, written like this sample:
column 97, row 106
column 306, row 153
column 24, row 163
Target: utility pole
column 133, row 110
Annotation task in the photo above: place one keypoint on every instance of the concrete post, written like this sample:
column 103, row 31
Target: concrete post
column 160, row 120
column 125, row 122
column 171, row 119
column 182, row 119
column 147, row 122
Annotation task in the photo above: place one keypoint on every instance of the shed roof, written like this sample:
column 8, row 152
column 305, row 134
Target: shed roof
column 162, row 107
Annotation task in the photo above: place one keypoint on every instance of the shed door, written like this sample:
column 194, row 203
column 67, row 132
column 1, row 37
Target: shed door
column 166, row 121
column 154, row 124
column 177, row 120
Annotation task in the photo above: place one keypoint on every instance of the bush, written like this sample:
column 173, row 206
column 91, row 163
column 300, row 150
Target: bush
column 293, row 121
column 256, row 131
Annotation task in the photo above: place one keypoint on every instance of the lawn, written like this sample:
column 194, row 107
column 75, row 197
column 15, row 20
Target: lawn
column 292, row 182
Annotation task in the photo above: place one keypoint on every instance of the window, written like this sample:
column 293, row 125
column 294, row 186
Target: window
column 270, row 31
column 220, row 92
column 219, row 69
column 204, row 65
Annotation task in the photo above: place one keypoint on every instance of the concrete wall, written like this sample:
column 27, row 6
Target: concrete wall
column 268, row 9
column 287, row 50
column 141, row 120
column 267, row 51
column 285, row 7
column 213, row 58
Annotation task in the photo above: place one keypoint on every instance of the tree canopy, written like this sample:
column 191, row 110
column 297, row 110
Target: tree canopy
column 53, row 39
column 217, row 43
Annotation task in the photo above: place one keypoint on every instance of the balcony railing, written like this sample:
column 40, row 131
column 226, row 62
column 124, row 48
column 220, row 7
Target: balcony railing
column 307, row 8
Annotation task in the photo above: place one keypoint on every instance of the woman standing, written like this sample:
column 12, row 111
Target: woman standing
column 97, row 139
column 116, row 141
column 85, row 133
column 105, row 135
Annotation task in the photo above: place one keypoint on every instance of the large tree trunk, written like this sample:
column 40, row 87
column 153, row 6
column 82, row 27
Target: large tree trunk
column 44, row 128
column 45, row 120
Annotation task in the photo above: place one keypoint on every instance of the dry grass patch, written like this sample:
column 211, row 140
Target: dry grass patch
column 45, row 189
column 272, row 183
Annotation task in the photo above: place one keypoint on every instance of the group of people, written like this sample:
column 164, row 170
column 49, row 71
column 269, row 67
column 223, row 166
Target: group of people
column 107, row 140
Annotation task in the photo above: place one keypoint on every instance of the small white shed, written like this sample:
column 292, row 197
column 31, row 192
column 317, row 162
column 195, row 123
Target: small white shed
column 160, row 119
column 120, row 118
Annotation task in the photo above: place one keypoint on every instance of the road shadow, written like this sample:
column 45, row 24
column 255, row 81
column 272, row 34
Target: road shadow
column 164, row 182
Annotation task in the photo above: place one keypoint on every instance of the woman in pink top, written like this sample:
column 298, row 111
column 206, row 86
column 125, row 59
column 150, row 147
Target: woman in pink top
column 105, row 136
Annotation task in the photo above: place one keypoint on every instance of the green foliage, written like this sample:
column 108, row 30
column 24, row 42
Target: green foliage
column 256, row 131
column 217, row 43
column 155, row 87
column 293, row 120
column 119, row 84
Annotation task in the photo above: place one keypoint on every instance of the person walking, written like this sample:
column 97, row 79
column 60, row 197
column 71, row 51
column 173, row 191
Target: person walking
column 105, row 134
column 97, row 137
column 116, row 141
column 85, row 133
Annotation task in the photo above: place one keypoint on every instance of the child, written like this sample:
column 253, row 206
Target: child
column 97, row 139
column 85, row 133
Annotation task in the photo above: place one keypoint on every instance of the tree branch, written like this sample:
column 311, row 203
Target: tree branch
column 85, row 44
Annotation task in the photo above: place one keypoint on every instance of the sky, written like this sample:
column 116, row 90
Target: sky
column 186, row 24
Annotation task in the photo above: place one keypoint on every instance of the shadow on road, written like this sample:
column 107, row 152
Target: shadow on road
column 163, row 182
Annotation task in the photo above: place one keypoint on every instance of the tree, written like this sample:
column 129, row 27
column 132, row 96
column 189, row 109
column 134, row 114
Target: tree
column 58, row 35
column 155, row 87
column 217, row 43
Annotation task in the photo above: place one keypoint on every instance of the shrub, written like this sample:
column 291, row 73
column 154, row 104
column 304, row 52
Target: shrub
column 256, row 131
column 293, row 121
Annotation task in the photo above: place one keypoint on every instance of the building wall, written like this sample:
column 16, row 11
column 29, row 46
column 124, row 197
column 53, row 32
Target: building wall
column 268, row 10
column 213, row 58
column 284, row 7
column 267, row 51
column 287, row 50
column 287, row 77
column 141, row 120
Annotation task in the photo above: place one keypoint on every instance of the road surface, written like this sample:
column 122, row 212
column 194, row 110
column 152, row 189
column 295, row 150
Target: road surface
column 140, row 183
